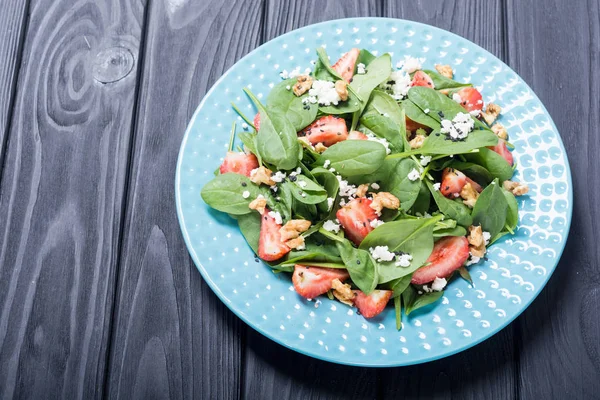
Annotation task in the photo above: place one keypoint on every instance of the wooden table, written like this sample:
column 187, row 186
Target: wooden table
column 98, row 296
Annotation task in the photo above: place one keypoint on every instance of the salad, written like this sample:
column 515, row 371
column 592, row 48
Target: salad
column 370, row 184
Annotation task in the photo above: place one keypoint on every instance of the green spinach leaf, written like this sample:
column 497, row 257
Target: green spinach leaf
column 490, row 209
column 413, row 301
column 441, row 82
column 493, row 162
column 399, row 285
column 512, row 210
column 354, row 157
column 360, row 265
column 249, row 225
column 225, row 193
column 450, row 208
column 285, row 102
column 422, row 202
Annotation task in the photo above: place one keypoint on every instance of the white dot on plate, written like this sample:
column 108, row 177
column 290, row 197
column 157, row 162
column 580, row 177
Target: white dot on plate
column 264, row 316
column 342, row 348
column 344, row 336
column 363, row 351
column 297, row 306
column 328, row 320
column 281, row 298
column 333, row 308
column 268, row 287
column 228, row 235
column 306, row 325
column 235, row 291
column 441, row 330
column 382, row 339
column 405, row 350
column 381, row 326
column 402, row 339
column 363, row 338
column 364, row 326
column 347, row 325
column 417, row 322
column 320, row 342
column 288, row 316
column 446, row 341
column 422, row 335
column 282, row 327
column 323, row 331
column 236, row 249
column 426, row 346
column 291, row 288
column 301, row 336
column 350, row 312
column 312, row 314
column 257, row 295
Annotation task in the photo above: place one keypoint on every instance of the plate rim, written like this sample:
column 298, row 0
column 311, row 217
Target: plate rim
column 214, row 287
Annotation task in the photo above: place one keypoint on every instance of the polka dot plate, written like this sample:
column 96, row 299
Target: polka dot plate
column 517, row 268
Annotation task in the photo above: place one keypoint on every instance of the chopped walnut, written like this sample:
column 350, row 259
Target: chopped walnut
column 295, row 243
column 320, row 147
column 476, row 241
column 258, row 204
column 262, row 175
column 444, row 70
column 469, row 195
column 445, row 92
column 417, row 142
column 492, row 111
column 361, row 191
column 306, row 142
column 500, row 130
column 342, row 292
column 293, row 228
column 516, row 188
column 303, row 85
column 341, row 87
column 384, row 200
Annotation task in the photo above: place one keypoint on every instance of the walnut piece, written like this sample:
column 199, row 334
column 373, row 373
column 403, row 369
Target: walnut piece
column 293, row 228
column 306, row 142
column 444, row 70
column 342, row 292
column 361, row 191
column 295, row 243
column 500, row 130
column 417, row 142
column 469, row 195
column 516, row 188
column 262, row 175
column 383, row 200
column 492, row 111
column 341, row 87
column 258, row 204
column 320, row 147
column 303, row 85
column 476, row 241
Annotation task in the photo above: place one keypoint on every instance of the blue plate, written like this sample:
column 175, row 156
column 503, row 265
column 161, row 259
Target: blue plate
column 516, row 270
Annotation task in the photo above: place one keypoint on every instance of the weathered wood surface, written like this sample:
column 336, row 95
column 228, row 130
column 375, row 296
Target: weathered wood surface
column 98, row 297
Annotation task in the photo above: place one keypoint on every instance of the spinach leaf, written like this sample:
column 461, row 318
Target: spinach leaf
column 354, row 157
column 490, row 209
column 512, row 210
column 383, row 127
column 306, row 191
column 441, row 82
column 328, row 180
column 249, row 140
column 324, row 63
column 398, row 311
column 378, row 71
column 413, row 301
column 399, row 285
column 286, row 103
column 249, row 225
column 364, row 57
column 383, row 104
column 438, row 143
column 224, row 193
column 421, row 204
column 303, row 210
column 360, row 266
column 277, row 140
column 446, row 223
column 464, row 273
column 493, row 162
column 400, row 186
column 456, row 231
column 315, row 251
column 474, row 171
column 451, row 208
column 414, row 113
column 343, row 107
column 281, row 202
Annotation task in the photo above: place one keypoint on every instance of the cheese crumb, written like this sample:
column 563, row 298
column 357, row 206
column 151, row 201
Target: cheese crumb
column 376, row 222
column 245, row 126
column 329, row 202
column 410, row 64
column 360, row 68
column 459, row 127
column 246, row 194
column 276, row 216
column 403, row 260
column 324, row 92
column 398, row 84
column 381, row 253
column 327, row 163
column 278, row 177
column 439, row 284
column 414, row 174
column 425, row 160
column 383, row 141
column 331, row 226
column 302, row 184
column 436, row 186
column 375, row 186
column 487, row 236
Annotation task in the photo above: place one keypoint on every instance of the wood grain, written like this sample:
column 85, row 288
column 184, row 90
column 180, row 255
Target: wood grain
column 173, row 337
column 62, row 195
column 487, row 370
column 556, row 49
column 13, row 22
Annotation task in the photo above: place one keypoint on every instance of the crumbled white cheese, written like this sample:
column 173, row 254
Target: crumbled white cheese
column 330, row 202
column 473, row 260
column 403, row 260
column 309, row 99
column 298, row 170
column 439, row 284
column 293, row 73
column 278, row 176
column 346, row 189
column 331, row 169
column 246, row 194
column 414, row 174
column 426, row 111
column 342, row 202
column 436, row 186
column 398, row 84
column 475, row 113
column 302, row 184
column 276, row 216
column 375, row 185
column 360, row 68
column 301, row 247
column 381, row 253
column 459, row 127
column 327, row 163
column 274, row 188
column 384, row 142
column 425, row 160
column 376, row 222
column 456, row 97
column 288, row 87
column 331, row 226
column 410, row 64
column 325, row 93
column 245, row 126
column 487, row 236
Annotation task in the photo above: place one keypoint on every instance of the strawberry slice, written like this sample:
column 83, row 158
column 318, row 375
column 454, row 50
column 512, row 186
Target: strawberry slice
column 311, row 282
column 345, row 65
column 452, row 182
column 420, row 78
column 503, row 150
column 475, row 185
column 327, row 130
column 239, row 163
column 449, row 254
column 257, row 121
column 372, row 304
column 270, row 245
column 357, row 135
column 470, row 99
column 355, row 217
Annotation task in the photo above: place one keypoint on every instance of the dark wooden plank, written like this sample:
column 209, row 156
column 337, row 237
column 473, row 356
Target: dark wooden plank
column 13, row 22
column 271, row 370
column 173, row 337
column 487, row 370
column 62, row 196
column 555, row 48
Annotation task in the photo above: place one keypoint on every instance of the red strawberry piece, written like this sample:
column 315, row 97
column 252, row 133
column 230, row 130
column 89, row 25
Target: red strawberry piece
column 420, row 78
column 449, row 254
column 475, row 185
column 270, row 245
column 311, row 282
column 239, row 163
column 412, row 126
column 452, row 182
column 470, row 99
column 345, row 65
column 372, row 304
column 503, row 150
column 356, row 217
column 257, row 121
column 357, row 135
column 327, row 130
